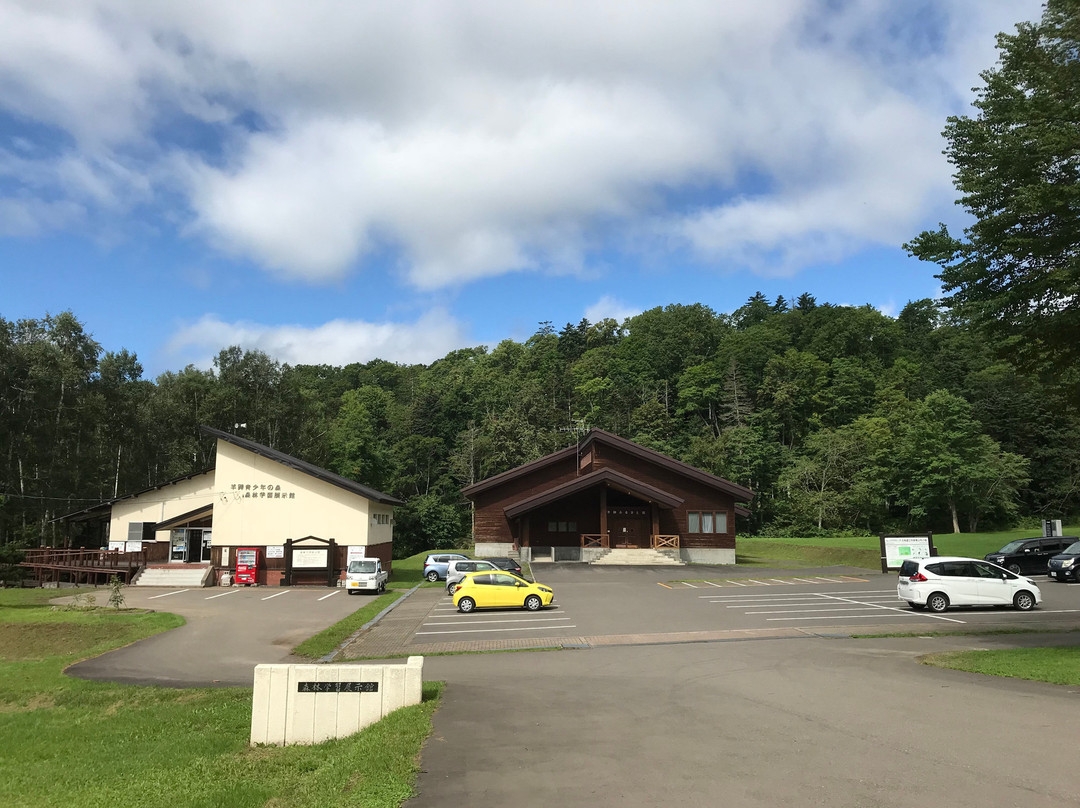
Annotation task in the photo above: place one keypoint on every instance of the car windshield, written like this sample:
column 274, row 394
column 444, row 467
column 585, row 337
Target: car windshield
column 1072, row 549
column 362, row 566
column 1012, row 546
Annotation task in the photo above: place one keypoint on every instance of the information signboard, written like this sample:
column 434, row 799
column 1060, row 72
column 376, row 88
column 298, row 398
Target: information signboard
column 895, row 550
column 356, row 552
column 275, row 551
column 313, row 558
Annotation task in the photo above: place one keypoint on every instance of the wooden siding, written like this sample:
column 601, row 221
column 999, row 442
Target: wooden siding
column 491, row 525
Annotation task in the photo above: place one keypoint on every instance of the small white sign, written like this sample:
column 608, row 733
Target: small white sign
column 355, row 553
column 275, row 551
column 133, row 547
column 899, row 549
column 117, row 545
column 314, row 558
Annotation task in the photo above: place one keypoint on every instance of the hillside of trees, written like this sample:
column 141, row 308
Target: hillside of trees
column 839, row 418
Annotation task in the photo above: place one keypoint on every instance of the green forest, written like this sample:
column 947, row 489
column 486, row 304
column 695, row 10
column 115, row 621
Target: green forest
column 841, row 419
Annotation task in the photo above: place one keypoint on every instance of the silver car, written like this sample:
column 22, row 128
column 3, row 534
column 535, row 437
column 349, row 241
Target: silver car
column 456, row 570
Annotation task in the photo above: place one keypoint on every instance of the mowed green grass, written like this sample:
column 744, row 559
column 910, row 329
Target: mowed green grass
column 865, row 551
column 70, row 742
column 1058, row 665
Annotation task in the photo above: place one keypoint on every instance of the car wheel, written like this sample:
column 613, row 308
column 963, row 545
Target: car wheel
column 451, row 589
column 533, row 603
column 352, row 591
column 432, row 576
column 916, row 606
column 1014, row 568
column 1024, row 601
column 1076, row 575
column 466, row 605
column 937, row 602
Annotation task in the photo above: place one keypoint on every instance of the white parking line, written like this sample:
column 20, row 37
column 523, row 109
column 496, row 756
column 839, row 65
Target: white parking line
column 486, row 630
column 833, row 580
column 278, row 595
column 324, row 597
column 177, row 592
column 519, row 620
column 710, row 583
column 804, row 611
column 783, row 581
column 736, row 583
column 223, row 594
column 898, row 613
column 805, row 580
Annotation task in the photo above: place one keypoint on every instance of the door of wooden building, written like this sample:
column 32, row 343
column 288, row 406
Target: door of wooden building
column 629, row 527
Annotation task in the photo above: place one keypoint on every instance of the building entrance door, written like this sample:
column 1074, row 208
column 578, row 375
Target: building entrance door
column 628, row 527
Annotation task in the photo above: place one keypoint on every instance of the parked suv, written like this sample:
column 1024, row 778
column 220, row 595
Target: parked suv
column 1029, row 555
column 1066, row 564
column 457, row 568
column 942, row 581
column 436, row 563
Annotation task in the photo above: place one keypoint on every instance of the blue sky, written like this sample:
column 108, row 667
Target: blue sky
column 334, row 182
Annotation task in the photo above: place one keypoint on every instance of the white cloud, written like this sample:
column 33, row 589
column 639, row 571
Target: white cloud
column 338, row 342
column 608, row 307
column 478, row 139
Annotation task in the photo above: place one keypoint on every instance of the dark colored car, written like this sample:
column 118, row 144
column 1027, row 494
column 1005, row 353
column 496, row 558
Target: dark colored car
column 1029, row 555
column 1066, row 564
column 507, row 564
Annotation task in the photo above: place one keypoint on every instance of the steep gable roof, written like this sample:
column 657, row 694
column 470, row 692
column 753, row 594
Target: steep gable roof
column 303, row 466
column 601, row 436
column 609, row 477
column 670, row 463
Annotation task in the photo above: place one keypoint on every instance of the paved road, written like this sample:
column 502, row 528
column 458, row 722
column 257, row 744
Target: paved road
column 787, row 722
column 228, row 632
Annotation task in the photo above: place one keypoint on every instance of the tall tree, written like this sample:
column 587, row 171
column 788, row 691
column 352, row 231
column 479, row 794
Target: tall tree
column 1016, row 271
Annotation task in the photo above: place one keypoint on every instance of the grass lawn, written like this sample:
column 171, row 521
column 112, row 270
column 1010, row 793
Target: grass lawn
column 1059, row 665
column 70, row 742
column 864, row 551
column 326, row 641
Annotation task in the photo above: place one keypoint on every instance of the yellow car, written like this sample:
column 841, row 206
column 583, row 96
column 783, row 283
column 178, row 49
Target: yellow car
column 481, row 590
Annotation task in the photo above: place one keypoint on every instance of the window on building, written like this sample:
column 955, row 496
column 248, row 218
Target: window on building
column 706, row 522
column 562, row 527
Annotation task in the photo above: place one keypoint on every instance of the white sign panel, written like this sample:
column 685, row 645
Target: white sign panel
column 899, row 549
column 355, row 553
column 117, row 545
column 309, row 558
column 275, row 551
column 133, row 547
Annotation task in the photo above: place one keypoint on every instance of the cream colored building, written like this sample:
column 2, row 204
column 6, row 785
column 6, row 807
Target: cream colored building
column 255, row 497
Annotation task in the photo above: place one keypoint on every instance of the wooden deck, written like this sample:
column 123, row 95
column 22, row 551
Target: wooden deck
column 91, row 567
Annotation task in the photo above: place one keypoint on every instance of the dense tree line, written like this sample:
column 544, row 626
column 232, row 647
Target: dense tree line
column 840, row 418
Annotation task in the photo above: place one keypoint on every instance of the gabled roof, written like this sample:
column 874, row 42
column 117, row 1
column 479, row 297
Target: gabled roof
column 609, row 477
column 603, row 437
column 670, row 463
column 303, row 466
column 512, row 474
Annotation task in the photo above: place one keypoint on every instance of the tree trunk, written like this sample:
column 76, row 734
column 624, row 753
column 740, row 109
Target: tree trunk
column 955, row 519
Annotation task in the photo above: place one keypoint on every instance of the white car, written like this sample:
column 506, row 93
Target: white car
column 943, row 581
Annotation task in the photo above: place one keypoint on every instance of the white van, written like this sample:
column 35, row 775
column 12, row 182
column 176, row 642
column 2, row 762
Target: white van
column 365, row 574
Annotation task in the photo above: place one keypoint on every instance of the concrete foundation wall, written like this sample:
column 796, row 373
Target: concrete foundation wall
column 493, row 549
column 707, row 555
column 282, row 714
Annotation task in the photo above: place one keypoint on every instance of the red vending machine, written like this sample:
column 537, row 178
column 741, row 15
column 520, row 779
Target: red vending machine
column 247, row 566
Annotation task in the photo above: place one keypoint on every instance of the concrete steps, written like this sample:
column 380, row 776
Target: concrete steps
column 175, row 575
column 640, row 556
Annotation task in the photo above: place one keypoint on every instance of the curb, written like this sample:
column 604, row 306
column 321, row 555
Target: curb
column 334, row 654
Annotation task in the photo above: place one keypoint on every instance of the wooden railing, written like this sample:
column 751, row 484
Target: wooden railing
column 599, row 540
column 82, row 566
column 662, row 540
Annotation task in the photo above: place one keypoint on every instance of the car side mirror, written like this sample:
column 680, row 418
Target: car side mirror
column 517, row 583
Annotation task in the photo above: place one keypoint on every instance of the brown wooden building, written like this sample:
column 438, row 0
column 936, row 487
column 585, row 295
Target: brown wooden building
column 607, row 492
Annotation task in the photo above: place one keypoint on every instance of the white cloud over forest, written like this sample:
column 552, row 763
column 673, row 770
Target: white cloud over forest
column 473, row 139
